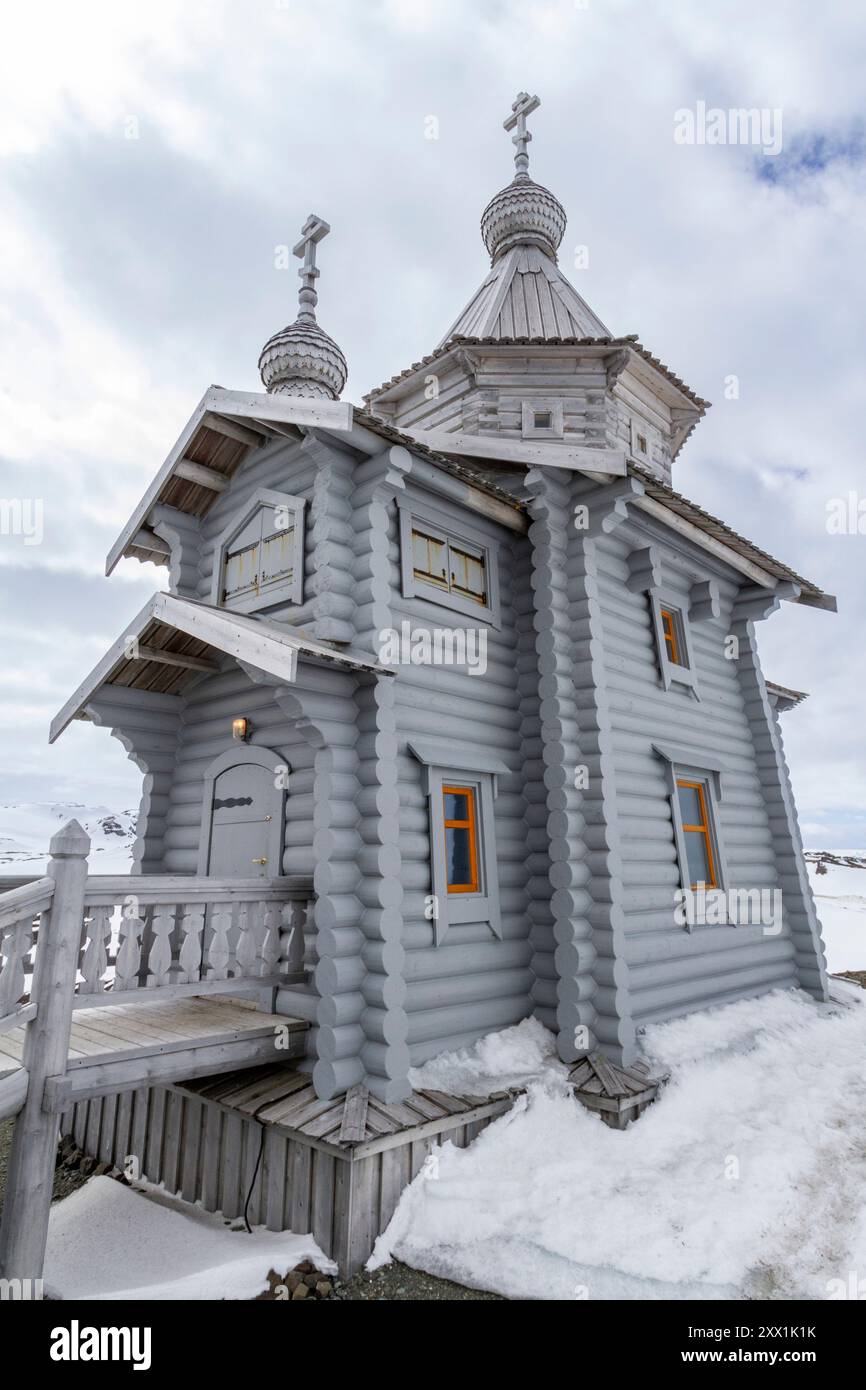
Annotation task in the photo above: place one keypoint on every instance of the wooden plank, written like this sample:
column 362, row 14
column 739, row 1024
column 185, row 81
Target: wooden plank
column 193, row 1124
column 106, row 1130
column 19, row 903
column 251, row 1171
column 154, row 1069
column 529, row 453
column 394, row 1178
column 607, row 1075
column 166, row 658
column 18, row 1019
column 353, row 1129
column 212, row 1145
column 323, row 1180
column 230, row 1201
column 201, row 474
column 274, row 1179
column 432, row 1129
column 13, row 1093
column 364, row 1225
column 301, row 1210
column 172, row 1140
column 155, row 1126
column 451, row 1104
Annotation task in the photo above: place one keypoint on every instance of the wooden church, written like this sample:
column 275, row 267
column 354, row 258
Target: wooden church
column 445, row 707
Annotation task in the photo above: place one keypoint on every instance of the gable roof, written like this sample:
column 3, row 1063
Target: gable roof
column 220, row 433
column 526, row 295
column 172, row 641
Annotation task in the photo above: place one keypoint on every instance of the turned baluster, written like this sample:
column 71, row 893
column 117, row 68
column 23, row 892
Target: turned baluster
column 218, row 952
column 94, row 963
column 189, row 957
column 15, row 946
column 129, row 952
column 159, row 958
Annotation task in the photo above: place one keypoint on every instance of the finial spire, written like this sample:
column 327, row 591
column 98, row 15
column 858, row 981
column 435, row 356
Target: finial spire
column 313, row 230
column 302, row 360
column 520, row 109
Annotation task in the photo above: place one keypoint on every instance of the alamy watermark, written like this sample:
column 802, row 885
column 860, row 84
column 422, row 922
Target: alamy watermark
column 729, row 907
column 23, row 516
column 438, row 646
column 713, row 125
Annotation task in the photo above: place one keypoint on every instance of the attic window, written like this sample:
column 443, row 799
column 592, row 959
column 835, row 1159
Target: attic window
column 446, row 568
column 542, row 420
column 259, row 557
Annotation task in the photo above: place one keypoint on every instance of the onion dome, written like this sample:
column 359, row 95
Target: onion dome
column 302, row 359
column 524, row 213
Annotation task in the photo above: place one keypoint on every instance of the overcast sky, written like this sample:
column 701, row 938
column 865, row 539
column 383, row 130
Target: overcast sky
column 154, row 155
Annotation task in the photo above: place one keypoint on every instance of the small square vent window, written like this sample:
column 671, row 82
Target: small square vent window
column 542, row 419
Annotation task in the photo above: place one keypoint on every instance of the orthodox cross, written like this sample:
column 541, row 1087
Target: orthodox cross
column 313, row 230
column 520, row 109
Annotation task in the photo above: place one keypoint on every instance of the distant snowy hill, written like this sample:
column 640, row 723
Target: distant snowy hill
column 27, row 827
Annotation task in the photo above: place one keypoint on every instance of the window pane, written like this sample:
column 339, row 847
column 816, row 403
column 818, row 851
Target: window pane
column 467, row 574
column 698, row 859
column 690, row 805
column 277, row 554
column 456, row 806
column 458, row 857
column 428, row 557
column 241, row 569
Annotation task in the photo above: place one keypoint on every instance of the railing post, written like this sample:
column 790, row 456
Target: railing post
column 30, row 1178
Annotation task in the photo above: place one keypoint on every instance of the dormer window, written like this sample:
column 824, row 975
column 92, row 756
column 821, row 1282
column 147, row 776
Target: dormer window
column 260, row 555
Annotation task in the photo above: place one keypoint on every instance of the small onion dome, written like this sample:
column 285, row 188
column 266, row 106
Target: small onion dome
column 523, row 214
column 302, row 360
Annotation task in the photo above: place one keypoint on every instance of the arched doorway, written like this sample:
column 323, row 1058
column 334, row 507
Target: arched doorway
column 242, row 815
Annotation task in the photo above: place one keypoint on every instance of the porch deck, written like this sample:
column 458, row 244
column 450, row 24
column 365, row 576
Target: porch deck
column 123, row 1046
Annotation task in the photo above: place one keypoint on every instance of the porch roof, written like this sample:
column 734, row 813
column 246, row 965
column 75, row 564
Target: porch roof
column 172, row 641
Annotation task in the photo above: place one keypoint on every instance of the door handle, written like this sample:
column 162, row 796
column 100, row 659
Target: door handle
column 260, row 861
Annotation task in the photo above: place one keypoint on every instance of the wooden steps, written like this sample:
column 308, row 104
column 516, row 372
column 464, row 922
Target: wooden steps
column 122, row 1046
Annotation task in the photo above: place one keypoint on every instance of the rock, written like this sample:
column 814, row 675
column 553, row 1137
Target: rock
column 311, row 1280
column 305, row 1267
column 324, row 1288
column 293, row 1280
column 300, row 1292
column 87, row 1165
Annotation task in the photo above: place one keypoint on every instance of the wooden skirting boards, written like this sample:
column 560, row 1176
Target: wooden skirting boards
column 259, row 1139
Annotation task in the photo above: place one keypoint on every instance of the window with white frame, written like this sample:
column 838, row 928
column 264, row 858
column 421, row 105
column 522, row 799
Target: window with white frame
column 260, row 556
column 460, row 785
column 446, row 567
column 673, row 642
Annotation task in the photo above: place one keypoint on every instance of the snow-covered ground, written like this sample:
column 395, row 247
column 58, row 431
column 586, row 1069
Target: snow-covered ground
column 111, row 1241
column 840, row 897
column 26, row 829
column 746, row 1179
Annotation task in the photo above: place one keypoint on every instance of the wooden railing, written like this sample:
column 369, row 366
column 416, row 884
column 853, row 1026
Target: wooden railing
column 183, row 934
column 190, row 935
column 70, row 941
column 20, row 912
